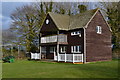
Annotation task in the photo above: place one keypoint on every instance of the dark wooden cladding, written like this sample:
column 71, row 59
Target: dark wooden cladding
column 75, row 40
column 98, row 46
column 49, row 28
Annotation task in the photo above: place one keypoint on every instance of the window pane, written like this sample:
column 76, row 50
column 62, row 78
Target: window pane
column 63, row 48
column 43, row 49
column 99, row 29
column 76, row 48
column 80, row 48
column 51, row 49
column 78, row 32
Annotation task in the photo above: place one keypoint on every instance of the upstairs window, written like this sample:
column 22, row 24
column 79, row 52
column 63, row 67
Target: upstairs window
column 76, row 49
column 47, row 21
column 76, row 33
column 99, row 29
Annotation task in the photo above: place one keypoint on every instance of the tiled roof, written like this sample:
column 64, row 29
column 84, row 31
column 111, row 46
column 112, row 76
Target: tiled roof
column 66, row 22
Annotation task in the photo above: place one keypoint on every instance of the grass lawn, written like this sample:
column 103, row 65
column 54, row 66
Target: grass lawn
column 37, row 69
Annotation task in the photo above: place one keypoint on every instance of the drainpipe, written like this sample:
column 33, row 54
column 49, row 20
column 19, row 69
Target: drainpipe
column 84, row 55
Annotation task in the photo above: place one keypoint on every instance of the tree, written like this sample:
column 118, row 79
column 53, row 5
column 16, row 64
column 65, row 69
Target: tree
column 24, row 24
column 82, row 8
column 112, row 10
column 69, row 13
column 8, row 37
column 27, row 21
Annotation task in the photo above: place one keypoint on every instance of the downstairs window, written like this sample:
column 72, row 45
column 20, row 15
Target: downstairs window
column 76, row 49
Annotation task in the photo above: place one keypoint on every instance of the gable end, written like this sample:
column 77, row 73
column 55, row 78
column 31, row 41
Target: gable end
column 102, row 17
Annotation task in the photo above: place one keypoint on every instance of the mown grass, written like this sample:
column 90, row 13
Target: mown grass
column 37, row 69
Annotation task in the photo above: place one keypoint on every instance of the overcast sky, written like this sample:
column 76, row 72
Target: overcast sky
column 7, row 9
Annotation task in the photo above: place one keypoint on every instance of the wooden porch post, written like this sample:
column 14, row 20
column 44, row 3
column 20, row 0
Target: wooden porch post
column 40, row 52
column 39, row 44
column 58, row 52
column 73, row 57
column 65, row 56
column 57, row 47
column 54, row 55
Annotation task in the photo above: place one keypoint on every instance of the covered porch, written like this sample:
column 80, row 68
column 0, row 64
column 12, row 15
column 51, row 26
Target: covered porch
column 53, row 52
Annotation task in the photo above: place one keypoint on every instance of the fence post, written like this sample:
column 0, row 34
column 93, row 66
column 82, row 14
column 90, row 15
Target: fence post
column 54, row 55
column 65, row 57
column 31, row 55
column 58, row 57
column 82, row 57
column 40, row 52
column 73, row 57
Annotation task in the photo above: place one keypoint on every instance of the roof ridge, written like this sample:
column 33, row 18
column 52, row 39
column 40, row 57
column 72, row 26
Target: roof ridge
column 58, row 13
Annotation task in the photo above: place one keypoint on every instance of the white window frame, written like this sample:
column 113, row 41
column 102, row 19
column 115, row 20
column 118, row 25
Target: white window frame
column 63, row 49
column 74, row 49
column 99, row 29
column 75, row 33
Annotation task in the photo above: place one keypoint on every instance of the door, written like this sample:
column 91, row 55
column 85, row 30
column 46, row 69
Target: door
column 50, row 54
column 43, row 52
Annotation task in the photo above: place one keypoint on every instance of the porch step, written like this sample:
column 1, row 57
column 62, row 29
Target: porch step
column 71, row 62
column 78, row 63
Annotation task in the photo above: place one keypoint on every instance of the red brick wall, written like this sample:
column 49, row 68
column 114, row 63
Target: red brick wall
column 98, row 45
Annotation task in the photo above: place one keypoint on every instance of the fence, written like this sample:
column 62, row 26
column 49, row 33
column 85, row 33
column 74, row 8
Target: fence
column 35, row 56
column 71, row 57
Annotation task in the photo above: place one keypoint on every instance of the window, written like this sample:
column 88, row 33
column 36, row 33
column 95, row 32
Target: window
column 52, row 49
column 63, row 49
column 43, row 49
column 76, row 49
column 99, row 29
column 47, row 21
column 76, row 33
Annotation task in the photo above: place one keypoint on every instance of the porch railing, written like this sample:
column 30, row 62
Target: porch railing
column 71, row 57
column 55, row 38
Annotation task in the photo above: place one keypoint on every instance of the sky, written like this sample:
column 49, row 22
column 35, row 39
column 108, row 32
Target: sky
column 7, row 9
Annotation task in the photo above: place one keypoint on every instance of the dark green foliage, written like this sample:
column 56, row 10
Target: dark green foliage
column 69, row 13
column 33, row 49
column 41, row 8
column 113, row 13
column 62, row 10
column 114, row 21
column 82, row 8
column 51, row 7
